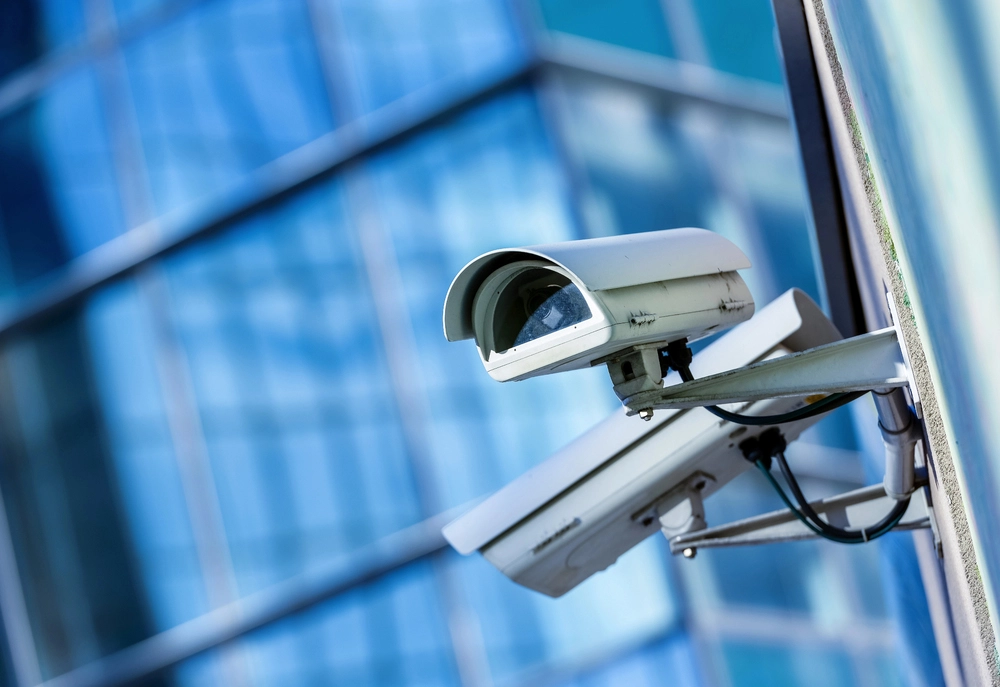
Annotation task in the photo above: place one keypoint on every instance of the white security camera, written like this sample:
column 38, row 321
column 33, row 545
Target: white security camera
column 622, row 481
column 617, row 300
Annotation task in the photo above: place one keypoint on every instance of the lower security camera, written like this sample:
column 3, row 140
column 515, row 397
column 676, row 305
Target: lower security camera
column 622, row 481
column 545, row 309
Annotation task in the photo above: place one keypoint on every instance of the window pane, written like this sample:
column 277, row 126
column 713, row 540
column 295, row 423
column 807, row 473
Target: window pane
column 739, row 37
column 74, row 555
column 58, row 190
column 31, row 28
column 752, row 665
column 391, row 48
column 144, row 464
column 389, row 633
column 292, row 391
column 229, row 86
column 669, row 661
column 635, row 24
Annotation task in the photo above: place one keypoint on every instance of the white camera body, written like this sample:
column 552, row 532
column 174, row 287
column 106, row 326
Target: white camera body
column 545, row 309
column 625, row 479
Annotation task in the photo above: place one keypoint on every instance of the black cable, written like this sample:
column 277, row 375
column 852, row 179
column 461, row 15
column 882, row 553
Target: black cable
column 759, row 450
column 825, row 405
column 678, row 356
column 784, row 497
column 835, row 533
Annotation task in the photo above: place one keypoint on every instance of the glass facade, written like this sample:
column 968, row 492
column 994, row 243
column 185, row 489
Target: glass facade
column 273, row 394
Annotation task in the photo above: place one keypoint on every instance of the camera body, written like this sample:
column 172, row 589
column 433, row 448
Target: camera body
column 545, row 309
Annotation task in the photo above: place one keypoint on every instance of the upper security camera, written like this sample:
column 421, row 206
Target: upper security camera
column 564, row 306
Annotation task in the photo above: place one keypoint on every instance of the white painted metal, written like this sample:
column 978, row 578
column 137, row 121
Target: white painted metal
column 901, row 434
column 869, row 361
column 611, row 262
column 645, row 314
column 854, row 509
column 584, row 527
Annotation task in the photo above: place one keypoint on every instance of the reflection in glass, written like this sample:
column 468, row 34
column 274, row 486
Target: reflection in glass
column 552, row 308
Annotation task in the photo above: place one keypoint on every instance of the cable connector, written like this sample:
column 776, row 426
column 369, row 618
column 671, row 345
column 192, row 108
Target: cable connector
column 764, row 446
column 677, row 356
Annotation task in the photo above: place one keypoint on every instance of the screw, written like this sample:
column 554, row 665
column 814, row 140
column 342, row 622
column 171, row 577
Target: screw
column 690, row 552
column 646, row 414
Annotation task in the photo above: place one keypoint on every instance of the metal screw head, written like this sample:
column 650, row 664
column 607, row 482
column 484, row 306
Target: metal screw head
column 690, row 552
column 646, row 414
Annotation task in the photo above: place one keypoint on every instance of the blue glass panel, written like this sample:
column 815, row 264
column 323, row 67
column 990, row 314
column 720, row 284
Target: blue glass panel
column 394, row 47
column 226, row 88
column 123, row 350
column 58, row 191
column 739, row 37
column 889, row 673
column 393, row 633
column 390, row 633
column 75, row 560
column 636, row 24
column 761, row 166
column 292, row 389
column 128, row 10
column 669, row 661
column 30, row 28
column 777, row 666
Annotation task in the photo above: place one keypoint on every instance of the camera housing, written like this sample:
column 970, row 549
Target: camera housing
column 564, row 306
column 576, row 513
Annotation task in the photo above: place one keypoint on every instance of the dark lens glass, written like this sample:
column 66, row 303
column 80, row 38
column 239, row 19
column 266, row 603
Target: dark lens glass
column 551, row 308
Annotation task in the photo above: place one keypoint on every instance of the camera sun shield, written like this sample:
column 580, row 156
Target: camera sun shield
column 546, row 309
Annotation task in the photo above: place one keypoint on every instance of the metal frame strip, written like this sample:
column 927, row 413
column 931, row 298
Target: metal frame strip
column 236, row 619
column 809, row 117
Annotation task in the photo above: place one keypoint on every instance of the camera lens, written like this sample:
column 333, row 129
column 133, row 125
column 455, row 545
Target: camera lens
column 529, row 302
column 551, row 308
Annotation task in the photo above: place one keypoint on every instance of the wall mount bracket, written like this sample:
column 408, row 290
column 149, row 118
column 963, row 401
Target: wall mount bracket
column 861, row 363
column 851, row 509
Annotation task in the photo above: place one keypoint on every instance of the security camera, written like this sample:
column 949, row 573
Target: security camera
column 622, row 481
column 616, row 300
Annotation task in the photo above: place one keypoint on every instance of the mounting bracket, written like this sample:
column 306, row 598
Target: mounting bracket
column 854, row 509
column 869, row 361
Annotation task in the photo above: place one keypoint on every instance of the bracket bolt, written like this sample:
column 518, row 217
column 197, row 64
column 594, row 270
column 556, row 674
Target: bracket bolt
column 690, row 552
column 646, row 414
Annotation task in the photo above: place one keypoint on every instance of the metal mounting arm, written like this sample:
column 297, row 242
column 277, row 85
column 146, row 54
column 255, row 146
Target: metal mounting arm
column 874, row 362
column 853, row 509
column 869, row 361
